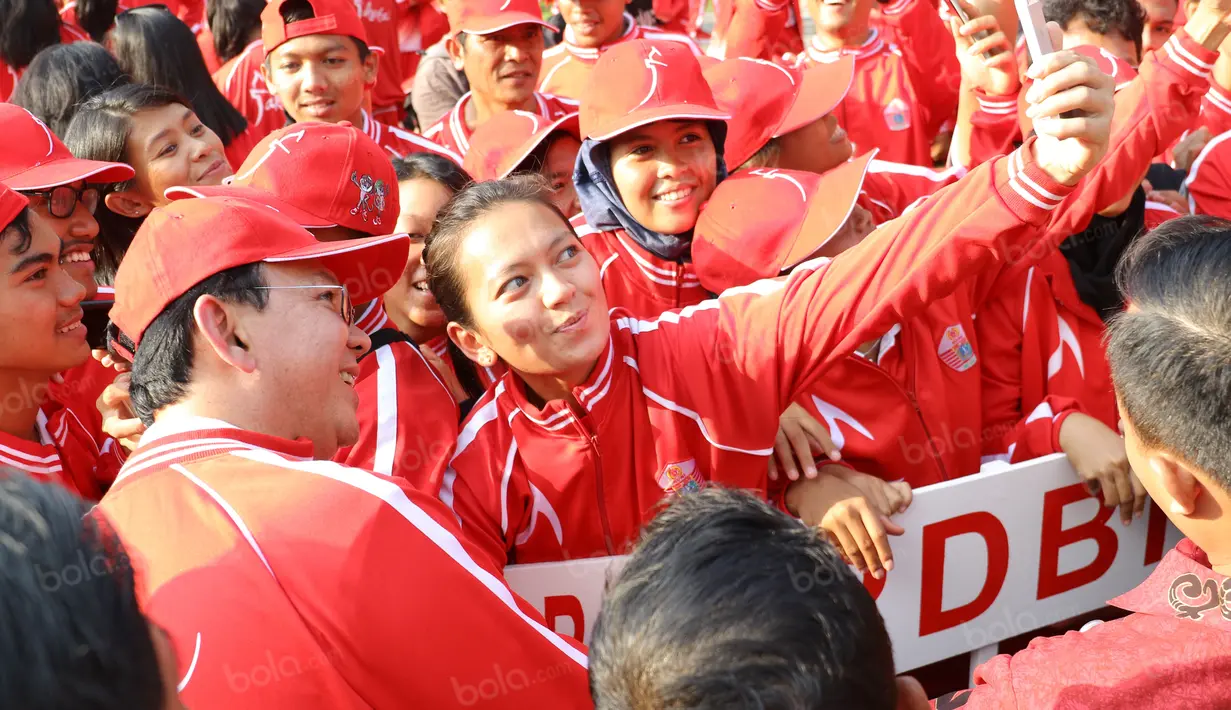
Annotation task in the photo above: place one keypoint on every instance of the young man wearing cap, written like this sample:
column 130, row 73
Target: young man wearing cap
column 1169, row 362
column 517, row 141
column 253, row 554
column 357, row 197
column 49, row 436
column 898, row 102
column 498, row 44
column 318, row 62
column 591, row 28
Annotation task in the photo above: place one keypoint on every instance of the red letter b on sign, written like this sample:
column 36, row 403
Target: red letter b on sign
column 982, row 523
column 1053, row 538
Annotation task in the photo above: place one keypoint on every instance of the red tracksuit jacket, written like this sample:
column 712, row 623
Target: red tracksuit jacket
column 72, row 449
column 566, row 67
column 893, row 103
column 380, row 20
column 889, row 189
column 762, row 29
column 290, row 584
column 695, row 395
column 240, row 80
column 452, row 131
column 1173, row 651
column 400, row 143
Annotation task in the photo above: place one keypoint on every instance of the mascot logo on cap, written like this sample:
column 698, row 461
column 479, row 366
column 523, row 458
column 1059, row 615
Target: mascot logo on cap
column 897, row 115
column 955, row 349
column 371, row 197
column 682, row 477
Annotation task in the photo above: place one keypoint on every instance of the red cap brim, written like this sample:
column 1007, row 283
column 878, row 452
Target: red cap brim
column 66, row 171
column 823, row 88
column 367, row 267
column 672, row 112
column 840, row 189
column 304, row 219
column 570, row 124
column 502, row 21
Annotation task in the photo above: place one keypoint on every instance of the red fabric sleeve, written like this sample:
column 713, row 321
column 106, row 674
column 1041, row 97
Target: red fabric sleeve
column 994, row 129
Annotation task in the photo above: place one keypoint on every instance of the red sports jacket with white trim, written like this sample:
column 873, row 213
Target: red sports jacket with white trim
column 695, row 394
column 288, row 584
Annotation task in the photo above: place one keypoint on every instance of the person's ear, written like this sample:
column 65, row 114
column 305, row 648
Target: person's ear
column 222, row 333
column 911, row 695
column 371, row 65
column 457, row 52
column 128, row 203
column 471, row 344
column 1181, row 488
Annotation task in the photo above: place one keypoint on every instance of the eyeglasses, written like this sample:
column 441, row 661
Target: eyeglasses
column 343, row 303
column 62, row 199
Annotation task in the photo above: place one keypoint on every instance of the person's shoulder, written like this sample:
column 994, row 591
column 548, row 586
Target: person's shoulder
column 657, row 35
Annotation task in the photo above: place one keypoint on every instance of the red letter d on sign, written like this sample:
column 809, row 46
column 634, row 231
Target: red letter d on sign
column 1053, row 538
column 931, row 617
column 570, row 606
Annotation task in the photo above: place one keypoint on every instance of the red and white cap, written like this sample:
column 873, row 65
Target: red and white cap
column 1118, row 69
column 760, row 223
column 643, row 81
column 766, row 100
column 317, row 174
column 12, row 203
column 481, row 17
column 35, row 159
column 331, row 17
column 187, row 241
column 505, row 140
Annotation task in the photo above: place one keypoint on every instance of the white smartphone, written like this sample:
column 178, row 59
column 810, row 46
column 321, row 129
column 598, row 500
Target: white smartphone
column 1034, row 28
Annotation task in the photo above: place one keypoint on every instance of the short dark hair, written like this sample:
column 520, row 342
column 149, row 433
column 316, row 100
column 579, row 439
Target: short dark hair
column 63, row 76
column 71, row 632
column 300, row 10
column 155, row 47
column 729, row 603
column 96, row 17
column 232, row 22
column 99, row 131
column 1123, row 17
column 1170, row 353
column 26, row 28
column 162, row 369
column 19, row 227
column 431, row 166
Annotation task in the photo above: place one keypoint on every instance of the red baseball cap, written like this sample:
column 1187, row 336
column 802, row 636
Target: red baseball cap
column 766, row 100
column 35, row 159
column 187, row 241
column 12, row 203
column 508, row 138
column 640, row 82
column 317, row 174
column 1118, row 69
column 481, row 17
column 332, row 17
column 760, row 223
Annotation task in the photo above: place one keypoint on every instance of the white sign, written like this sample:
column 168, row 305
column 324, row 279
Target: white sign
column 984, row 558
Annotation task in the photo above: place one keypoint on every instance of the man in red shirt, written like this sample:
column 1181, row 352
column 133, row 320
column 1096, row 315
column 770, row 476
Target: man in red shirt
column 41, row 334
column 318, row 62
column 357, row 197
column 591, row 28
column 1169, row 356
column 499, row 46
column 255, row 557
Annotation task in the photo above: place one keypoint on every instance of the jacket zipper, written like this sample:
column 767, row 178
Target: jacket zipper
column 592, row 438
column 910, row 395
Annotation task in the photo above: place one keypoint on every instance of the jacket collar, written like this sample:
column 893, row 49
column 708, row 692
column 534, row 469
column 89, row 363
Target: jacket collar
column 632, row 31
column 1184, row 587
column 874, row 45
column 555, row 415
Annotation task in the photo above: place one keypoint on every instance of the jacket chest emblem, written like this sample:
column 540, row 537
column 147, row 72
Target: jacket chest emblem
column 897, row 115
column 955, row 349
column 682, row 477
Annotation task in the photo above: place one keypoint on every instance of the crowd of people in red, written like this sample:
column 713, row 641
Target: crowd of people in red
column 319, row 314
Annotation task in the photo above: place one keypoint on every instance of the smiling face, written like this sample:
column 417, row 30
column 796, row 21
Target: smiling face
column 593, row 22
column 169, row 147
column 502, row 67
column 77, row 233
column 664, row 172
column 321, row 78
column 410, row 303
column 558, row 170
column 40, row 314
column 535, row 301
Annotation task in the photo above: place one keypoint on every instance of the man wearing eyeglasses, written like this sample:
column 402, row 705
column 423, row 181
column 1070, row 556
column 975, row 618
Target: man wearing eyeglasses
column 288, row 582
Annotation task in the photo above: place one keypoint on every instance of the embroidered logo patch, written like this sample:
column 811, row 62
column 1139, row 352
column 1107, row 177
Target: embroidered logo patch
column 682, row 477
column 955, row 349
column 371, row 197
column 897, row 115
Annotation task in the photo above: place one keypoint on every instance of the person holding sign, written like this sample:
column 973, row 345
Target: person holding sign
column 1169, row 358
column 600, row 418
